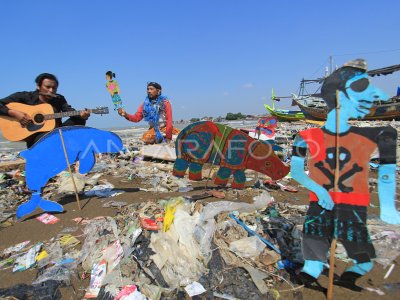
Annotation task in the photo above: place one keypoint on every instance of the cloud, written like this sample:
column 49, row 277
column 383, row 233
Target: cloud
column 248, row 85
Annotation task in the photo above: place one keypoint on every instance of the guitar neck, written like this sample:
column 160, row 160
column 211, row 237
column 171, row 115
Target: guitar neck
column 65, row 114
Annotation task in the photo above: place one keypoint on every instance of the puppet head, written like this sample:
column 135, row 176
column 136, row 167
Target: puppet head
column 356, row 94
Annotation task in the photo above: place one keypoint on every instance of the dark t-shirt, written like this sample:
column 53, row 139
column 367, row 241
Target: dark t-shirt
column 58, row 103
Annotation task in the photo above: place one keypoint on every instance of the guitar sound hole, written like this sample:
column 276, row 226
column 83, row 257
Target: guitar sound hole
column 39, row 118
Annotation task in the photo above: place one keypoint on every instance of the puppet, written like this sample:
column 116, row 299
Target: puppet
column 113, row 89
column 46, row 158
column 338, row 160
column 231, row 149
column 267, row 125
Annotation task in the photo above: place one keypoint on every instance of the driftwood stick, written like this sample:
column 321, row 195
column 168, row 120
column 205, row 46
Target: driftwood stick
column 335, row 189
column 69, row 168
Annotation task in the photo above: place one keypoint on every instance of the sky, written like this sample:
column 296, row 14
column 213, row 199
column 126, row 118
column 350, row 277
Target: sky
column 211, row 56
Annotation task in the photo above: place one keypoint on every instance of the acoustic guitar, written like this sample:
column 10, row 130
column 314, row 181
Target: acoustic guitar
column 43, row 117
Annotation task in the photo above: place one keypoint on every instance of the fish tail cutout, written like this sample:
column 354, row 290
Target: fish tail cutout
column 30, row 206
column 48, row 205
column 35, row 202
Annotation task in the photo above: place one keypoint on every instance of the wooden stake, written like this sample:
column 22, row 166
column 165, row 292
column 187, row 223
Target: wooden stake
column 335, row 189
column 69, row 168
column 215, row 156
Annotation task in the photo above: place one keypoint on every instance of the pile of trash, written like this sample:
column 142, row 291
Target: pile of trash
column 13, row 192
column 240, row 244
column 150, row 176
column 168, row 247
column 155, row 250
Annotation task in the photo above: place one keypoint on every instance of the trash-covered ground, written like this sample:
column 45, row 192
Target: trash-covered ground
column 143, row 233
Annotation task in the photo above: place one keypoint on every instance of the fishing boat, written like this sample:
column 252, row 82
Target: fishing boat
column 283, row 115
column 314, row 107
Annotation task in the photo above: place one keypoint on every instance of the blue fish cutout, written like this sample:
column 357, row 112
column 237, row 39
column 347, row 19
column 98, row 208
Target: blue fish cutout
column 46, row 159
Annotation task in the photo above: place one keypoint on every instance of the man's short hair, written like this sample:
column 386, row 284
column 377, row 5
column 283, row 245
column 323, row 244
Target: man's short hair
column 154, row 84
column 39, row 79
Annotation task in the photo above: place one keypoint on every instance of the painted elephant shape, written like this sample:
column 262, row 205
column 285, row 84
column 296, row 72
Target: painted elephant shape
column 231, row 149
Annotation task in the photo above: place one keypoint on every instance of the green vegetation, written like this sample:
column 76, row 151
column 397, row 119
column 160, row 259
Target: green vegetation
column 192, row 120
column 231, row 116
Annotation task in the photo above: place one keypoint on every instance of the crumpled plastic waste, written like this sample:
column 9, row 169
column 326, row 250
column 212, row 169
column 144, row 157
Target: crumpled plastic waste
column 61, row 273
column 285, row 233
column 14, row 249
column 48, row 290
column 205, row 228
column 258, row 277
column 68, row 241
column 215, row 208
column 54, row 253
column 113, row 255
column 115, row 204
column 27, row 260
column 386, row 240
column 99, row 233
column 130, row 292
column 183, row 185
column 170, row 208
column 96, row 278
column 194, row 289
column 94, row 179
column 66, row 185
column 151, row 216
column 100, row 166
column 103, row 191
column 248, row 247
column 177, row 254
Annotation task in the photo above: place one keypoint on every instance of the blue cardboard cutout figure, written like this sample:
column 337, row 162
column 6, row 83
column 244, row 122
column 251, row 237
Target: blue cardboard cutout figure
column 340, row 212
column 46, row 159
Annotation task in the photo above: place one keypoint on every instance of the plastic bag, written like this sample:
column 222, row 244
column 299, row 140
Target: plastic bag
column 99, row 233
column 205, row 228
column 54, row 252
column 215, row 208
column 60, row 273
column 247, row 247
column 170, row 208
column 103, row 190
column 177, row 254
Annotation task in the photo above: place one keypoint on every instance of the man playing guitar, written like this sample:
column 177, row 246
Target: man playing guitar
column 46, row 89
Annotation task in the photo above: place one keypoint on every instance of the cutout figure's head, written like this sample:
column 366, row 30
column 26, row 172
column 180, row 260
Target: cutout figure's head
column 110, row 75
column 355, row 92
